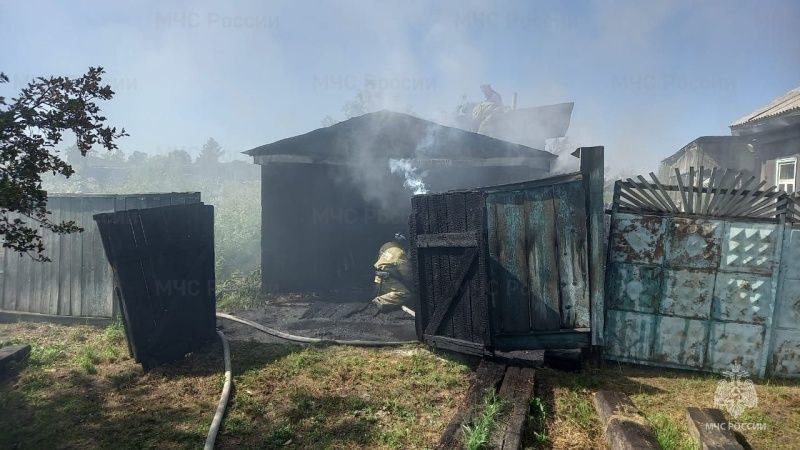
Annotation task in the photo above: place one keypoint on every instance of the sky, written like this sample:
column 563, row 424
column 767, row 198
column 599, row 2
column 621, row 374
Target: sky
column 646, row 77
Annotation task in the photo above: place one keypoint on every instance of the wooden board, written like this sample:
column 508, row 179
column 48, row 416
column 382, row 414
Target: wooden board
column 571, row 236
column 517, row 389
column 77, row 281
column 711, row 430
column 624, row 426
column 543, row 273
column 487, row 377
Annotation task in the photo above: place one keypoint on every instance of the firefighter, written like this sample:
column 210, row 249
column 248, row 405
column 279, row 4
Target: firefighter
column 482, row 113
column 392, row 276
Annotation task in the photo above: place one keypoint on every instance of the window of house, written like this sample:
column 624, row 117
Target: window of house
column 785, row 174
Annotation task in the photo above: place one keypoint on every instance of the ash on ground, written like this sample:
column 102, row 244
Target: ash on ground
column 333, row 315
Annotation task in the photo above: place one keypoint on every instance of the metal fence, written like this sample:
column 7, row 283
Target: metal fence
column 702, row 291
column 78, row 281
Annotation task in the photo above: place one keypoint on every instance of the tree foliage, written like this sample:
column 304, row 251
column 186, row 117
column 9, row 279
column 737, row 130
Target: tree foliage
column 210, row 153
column 31, row 126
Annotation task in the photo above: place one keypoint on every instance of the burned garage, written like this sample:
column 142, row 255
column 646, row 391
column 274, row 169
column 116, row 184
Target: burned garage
column 332, row 196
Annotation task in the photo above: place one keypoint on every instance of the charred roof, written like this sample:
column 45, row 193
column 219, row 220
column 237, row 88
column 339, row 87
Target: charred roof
column 388, row 134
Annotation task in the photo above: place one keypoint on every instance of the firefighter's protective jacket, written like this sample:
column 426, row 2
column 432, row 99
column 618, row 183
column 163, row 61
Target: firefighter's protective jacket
column 393, row 277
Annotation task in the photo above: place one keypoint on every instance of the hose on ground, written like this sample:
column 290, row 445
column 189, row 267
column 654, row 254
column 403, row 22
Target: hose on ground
column 312, row 340
column 226, row 388
column 223, row 400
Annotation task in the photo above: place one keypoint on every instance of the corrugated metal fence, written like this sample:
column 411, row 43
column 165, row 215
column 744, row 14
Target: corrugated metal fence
column 703, row 291
column 78, row 281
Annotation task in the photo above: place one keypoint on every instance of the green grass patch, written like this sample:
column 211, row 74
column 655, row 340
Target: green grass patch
column 86, row 360
column 477, row 433
column 537, row 422
column 575, row 407
column 669, row 434
column 46, row 355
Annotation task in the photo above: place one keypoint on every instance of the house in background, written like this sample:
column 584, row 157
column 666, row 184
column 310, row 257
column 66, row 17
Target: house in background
column 764, row 143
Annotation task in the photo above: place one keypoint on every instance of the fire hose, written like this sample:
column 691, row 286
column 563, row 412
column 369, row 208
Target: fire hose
column 223, row 400
column 312, row 340
column 226, row 389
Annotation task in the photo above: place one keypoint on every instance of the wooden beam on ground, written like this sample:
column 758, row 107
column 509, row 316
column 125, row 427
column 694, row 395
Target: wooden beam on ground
column 624, row 426
column 709, row 427
column 517, row 390
column 7, row 316
column 13, row 353
column 488, row 376
column 520, row 358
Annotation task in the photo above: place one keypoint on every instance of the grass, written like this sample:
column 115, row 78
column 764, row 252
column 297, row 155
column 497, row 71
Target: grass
column 536, row 428
column 79, row 389
column 476, row 434
column 240, row 291
column 663, row 396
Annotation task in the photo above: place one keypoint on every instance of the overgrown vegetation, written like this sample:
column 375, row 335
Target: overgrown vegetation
column 477, row 433
column 240, row 291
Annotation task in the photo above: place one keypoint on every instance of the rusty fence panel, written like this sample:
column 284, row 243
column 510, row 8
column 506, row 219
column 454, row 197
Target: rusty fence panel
column 784, row 356
column 77, row 282
column 698, row 292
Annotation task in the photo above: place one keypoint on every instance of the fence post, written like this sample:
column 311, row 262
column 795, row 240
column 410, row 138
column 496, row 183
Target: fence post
column 592, row 171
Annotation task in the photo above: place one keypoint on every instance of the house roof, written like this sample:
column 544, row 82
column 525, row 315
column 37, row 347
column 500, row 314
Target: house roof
column 731, row 143
column 388, row 134
column 781, row 105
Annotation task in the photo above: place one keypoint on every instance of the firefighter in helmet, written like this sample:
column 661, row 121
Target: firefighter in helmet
column 392, row 275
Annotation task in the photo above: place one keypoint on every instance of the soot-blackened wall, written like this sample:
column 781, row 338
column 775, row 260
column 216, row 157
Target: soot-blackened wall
column 322, row 227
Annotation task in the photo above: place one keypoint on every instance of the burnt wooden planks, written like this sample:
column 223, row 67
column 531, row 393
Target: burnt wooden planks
column 516, row 390
column 539, row 262
column 449, row 267
column 163, row 265
column 711, row 430
column 487, row 378
column 624, row 426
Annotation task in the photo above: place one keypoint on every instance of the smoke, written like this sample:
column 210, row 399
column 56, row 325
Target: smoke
column 413, row 180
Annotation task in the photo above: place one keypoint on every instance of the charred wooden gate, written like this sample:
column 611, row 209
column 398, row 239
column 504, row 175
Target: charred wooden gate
column 512, row 267
column 163, row 264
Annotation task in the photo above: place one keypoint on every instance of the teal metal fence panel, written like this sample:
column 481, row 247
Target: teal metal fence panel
column 701, row 293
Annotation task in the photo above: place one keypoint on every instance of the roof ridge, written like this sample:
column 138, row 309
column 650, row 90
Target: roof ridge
column 787, row 102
